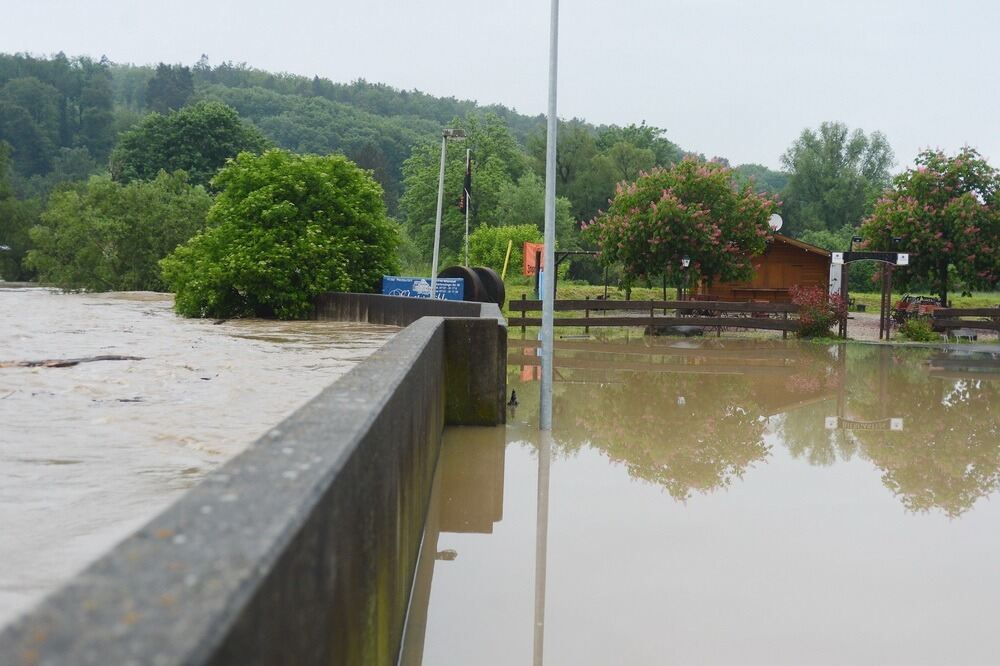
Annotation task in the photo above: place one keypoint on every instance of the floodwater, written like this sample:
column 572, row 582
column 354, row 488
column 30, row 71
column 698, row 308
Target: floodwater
column 89, row 453
column 721, row 502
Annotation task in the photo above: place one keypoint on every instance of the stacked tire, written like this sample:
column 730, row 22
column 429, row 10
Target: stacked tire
column 482, row 284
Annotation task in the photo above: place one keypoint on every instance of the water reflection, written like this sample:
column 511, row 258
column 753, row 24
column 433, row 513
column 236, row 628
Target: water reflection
column 695, row 419
column 466, row 498
column 720, row 484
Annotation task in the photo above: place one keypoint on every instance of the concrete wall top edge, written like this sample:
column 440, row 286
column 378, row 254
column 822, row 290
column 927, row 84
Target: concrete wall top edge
column 168, row 593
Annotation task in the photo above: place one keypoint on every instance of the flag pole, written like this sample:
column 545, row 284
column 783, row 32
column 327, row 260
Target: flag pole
column 548, row 297
column 468, row 201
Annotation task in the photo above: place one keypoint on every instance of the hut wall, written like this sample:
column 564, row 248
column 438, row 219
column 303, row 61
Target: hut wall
column 775, row 271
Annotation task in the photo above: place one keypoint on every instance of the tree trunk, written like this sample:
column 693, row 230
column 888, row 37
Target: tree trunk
column 943, row 282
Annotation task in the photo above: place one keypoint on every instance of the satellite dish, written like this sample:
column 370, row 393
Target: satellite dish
column 775, row 222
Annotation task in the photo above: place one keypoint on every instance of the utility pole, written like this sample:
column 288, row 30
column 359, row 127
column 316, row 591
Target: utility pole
column 458, row 135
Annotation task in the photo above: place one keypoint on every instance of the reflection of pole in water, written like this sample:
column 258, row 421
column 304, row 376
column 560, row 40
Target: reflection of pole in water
column 541, row 541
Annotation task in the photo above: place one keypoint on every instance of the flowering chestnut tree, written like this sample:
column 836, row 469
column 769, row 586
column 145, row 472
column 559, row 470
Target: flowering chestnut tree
column 693, row 209
column 946, row 212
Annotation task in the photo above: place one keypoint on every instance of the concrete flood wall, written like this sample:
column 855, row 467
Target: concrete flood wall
column 302, row 549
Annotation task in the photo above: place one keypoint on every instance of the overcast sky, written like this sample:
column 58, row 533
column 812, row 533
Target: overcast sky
column 735, row 78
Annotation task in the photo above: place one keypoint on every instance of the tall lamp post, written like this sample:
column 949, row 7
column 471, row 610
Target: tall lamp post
column 457, row 135
column 685, row 262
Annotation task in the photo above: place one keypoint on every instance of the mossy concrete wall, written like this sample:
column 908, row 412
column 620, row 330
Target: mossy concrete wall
column 300, row 550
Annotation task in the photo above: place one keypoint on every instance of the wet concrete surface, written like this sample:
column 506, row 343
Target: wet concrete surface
column 89, row 453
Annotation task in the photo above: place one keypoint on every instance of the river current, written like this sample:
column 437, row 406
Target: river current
column 90, row 452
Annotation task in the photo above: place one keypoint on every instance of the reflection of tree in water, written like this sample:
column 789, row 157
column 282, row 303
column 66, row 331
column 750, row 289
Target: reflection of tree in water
column 948, row 456
column 683, row 432
column 806, row 437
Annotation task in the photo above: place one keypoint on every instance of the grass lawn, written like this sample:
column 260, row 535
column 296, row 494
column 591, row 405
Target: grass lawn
column 572, row 291
column 983, row 299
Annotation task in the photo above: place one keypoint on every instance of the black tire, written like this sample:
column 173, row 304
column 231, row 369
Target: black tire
column 474, row 289
column 494, row 285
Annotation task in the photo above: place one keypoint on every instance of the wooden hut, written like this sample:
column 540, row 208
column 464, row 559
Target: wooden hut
column 785, row 262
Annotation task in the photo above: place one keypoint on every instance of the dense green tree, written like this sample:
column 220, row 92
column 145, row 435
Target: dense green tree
column 50, row 104
column 197, row 139
column 31, row 150
column 170, row 88
column 862, row 275
column 835, row 176
column 105, row 236
column 319, row 126
column 643, row 137
column 693, row 210
column 763, row 179
column 16, row 218
column 68, row 165
column 96, row 131
column 498, row 163
column 946, row 211
column 283, row 229
column 523, row 202
column 40, row 100
column 591, row 162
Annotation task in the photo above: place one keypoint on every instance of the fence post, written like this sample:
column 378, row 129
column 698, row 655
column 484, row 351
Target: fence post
column 524, row 311
column 586, row 315
column 784, row 331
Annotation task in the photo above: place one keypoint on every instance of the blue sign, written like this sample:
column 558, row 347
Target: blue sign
column 448, row 289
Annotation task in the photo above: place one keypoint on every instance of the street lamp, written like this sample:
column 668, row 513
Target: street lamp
column 685, row 262
column 456, row 135
column 854, row 239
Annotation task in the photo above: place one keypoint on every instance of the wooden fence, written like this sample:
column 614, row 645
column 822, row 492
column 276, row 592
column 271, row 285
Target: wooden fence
column 946, row 319
column 653, row 314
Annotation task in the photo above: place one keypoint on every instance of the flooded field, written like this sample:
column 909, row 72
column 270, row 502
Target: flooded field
column 89, row 453
column 721, row 502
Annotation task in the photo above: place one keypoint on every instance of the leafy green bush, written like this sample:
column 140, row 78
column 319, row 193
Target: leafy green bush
column 105, row 236
column 284, row 228
column 918, row 329
column 488, row 245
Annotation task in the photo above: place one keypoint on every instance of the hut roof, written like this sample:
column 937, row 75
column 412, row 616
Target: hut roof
column 799, row 244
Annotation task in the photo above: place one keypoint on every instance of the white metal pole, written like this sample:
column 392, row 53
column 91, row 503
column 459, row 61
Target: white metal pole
column 550, row 226
column 541, row 543
column 437, row 221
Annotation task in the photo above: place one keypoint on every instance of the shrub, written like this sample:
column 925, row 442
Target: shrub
column 488, row 245
column 283, row 229
column 818, row 310
column 105, row 236
column 918, row 329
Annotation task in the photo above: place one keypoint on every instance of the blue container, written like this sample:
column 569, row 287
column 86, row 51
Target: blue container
column 448, row 289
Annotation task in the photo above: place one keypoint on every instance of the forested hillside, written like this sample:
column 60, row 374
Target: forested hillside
column 64, row 120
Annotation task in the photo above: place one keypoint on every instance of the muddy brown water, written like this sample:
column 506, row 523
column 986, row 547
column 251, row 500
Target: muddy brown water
column 721, row 502
column 89, row 453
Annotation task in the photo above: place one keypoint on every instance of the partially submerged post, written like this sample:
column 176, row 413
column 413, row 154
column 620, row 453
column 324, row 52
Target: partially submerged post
column 548, row 298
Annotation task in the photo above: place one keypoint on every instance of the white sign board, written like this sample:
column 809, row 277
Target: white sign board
column 902, row 259
column 836, row 277
column 838, row 258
